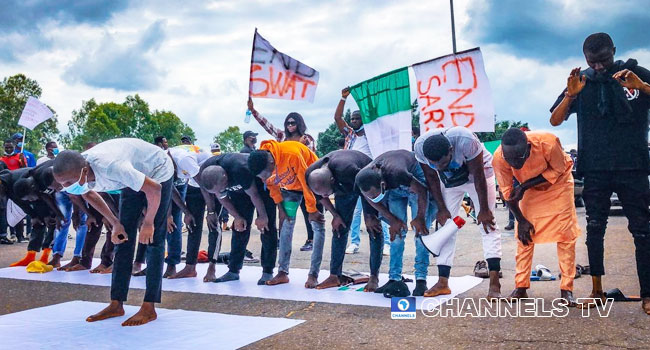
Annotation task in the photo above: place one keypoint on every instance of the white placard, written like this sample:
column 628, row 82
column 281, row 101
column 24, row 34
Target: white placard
column 454, row 90
column 14, row 213
column 34, row 113
column 276, row 75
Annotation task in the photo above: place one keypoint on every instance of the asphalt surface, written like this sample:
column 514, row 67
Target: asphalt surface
column 337, row 326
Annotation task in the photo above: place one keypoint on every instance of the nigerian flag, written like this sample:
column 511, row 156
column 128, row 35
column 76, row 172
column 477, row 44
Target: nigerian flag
column 384, row 103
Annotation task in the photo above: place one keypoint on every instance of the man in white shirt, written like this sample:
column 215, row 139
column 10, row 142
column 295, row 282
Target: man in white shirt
column 144, row 173
column 454, row 163
column 188, row 160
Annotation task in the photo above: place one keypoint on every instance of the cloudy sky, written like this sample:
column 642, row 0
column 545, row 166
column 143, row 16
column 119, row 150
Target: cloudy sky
column 193, row 57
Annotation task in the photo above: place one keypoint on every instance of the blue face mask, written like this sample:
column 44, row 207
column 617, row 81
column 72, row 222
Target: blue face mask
column 379, row 197
column 19, row 145
column 76, row 188
column 55, row 151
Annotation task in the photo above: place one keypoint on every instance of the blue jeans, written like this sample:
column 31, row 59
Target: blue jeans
column 61, row 236
column 286, row 239
column 175, row 238
column 355, row 227
column 398, row 200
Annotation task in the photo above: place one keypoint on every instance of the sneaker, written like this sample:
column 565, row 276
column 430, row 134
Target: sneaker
column 352, row 249
column 386, row 251
column 249, row 258
column 5, row 240
column 481, row 269
column 308, row 246
column 509, row 227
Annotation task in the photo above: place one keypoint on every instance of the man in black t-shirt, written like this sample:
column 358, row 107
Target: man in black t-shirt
column 226, row 182
column 335, row 174
column 611, row 99
column 32, row 189
column 390, row 183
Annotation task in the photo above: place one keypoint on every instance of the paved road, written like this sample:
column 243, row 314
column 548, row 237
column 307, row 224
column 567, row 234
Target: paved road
column 357, row 327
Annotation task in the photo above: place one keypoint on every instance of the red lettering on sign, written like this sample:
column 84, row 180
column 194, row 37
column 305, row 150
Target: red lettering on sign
column 464, row 93
column 280, row 84
column 428, row 85
column 456, row 114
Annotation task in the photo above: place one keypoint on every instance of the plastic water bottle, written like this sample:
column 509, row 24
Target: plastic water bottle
column 435, row 240
column 247, row 119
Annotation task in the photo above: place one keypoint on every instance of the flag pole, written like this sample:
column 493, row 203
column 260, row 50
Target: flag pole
column 22, row 149
column 453, row 26
column 252, row 54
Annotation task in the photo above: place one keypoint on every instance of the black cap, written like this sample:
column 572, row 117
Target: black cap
column 185, row 137
column 248, row 134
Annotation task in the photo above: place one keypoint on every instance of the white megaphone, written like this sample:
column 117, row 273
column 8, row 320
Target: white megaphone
column 435, row 240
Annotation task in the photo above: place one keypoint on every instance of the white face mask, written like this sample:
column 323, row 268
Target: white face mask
column 379, row 197
column 76, row 188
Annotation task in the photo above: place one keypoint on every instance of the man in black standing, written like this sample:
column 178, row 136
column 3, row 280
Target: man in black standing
column 250, row 139
column 611, row 99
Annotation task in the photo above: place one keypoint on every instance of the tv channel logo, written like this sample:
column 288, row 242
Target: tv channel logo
column 402, row 308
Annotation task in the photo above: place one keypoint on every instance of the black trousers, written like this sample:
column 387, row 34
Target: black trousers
column 131, row 205
column 633, row 190
column 345, row 204
column 305, row 215
column 42, row 235
column 92, row 237
column 239, row 239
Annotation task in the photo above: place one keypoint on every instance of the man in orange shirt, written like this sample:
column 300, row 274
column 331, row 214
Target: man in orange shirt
column 543, row 204
column 282, row 165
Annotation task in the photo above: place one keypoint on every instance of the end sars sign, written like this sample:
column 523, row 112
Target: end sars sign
column 34, row 113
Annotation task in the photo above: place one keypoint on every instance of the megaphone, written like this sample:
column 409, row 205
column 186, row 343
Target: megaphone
column 434, row 241
column 543, row 272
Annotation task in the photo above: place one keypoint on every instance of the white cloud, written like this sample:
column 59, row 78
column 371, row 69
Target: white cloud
column 200, row 70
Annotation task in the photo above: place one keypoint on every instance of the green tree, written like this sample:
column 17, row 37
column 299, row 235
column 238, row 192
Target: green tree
column 499, row 129
column 231, row 140
column 415, row 114
column 328, row 140
column 132, row 118
column 14, row 92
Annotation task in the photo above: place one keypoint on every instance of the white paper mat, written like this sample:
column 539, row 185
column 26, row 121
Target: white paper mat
column 64, row 326
column 247, row 285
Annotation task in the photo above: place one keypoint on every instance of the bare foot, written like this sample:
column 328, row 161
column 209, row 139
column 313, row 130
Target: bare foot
column 280, row 278
column 598, row 298
column 518, row 293
column 114, row 309
column 494, row 293
column 77, row 267
column 372, row 284
column 170, row 271
column 187, row 272
column 645, row 305
column 66, row 267
column 437, row 289
column 210, row 275
column 312, row 281
column 147, row 313
column 330, row 282
column 56, row 261
column 567, row 298
column 101, row 268
column 137, row 267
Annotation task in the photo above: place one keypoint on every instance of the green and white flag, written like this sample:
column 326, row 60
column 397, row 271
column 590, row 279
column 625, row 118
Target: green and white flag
column 384, row 103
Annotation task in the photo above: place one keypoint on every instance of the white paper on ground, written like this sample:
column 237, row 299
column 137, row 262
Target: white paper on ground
column 64, row 326
column 247, row 286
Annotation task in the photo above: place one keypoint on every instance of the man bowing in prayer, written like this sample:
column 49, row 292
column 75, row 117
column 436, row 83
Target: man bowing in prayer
column 144, row 173
column 543, row 204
